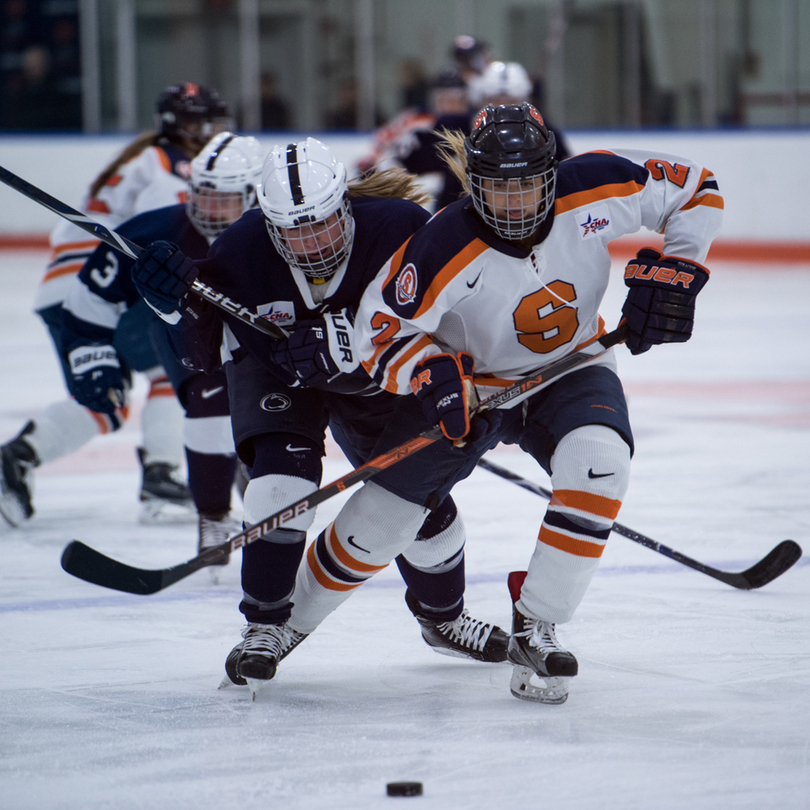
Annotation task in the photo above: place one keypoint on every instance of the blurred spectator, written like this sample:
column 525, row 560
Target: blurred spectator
column 414, row 84
column 275, row 111
column 344, row 115
column 471, row 56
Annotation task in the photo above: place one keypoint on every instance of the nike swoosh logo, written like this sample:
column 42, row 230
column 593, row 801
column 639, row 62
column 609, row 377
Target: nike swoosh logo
column 350, row 541
column 592, row 474
column 209, row 392
column 291, row 449
column 474, row 282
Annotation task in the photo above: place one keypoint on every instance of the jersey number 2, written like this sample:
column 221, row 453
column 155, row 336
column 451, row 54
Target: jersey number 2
column 544, row 320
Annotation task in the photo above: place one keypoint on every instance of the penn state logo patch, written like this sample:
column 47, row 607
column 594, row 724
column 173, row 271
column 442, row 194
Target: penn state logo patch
column 406, row 285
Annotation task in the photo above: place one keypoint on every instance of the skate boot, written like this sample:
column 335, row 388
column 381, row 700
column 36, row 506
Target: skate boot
column 534, row 650
column 256, row 658
column 164, row 496
column 464, row 637
column 17, row 459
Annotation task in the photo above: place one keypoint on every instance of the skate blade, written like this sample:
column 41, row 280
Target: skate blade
column 555, row 690
column 256, row 686
column 157, row 512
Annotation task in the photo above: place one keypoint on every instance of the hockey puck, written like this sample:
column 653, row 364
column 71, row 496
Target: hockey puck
column 404, row 788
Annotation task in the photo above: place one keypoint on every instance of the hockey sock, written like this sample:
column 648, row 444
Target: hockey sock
column 162, row 421
column 210, row 478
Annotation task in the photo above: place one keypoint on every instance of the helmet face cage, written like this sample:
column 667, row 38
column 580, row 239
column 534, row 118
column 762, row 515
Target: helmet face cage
column 192, row 112
column 512, row 169
column 304, row 197
column 224, row 178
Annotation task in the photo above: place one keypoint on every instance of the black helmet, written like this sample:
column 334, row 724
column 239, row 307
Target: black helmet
column 470, row 53
column 511, row 143
column 192, row 112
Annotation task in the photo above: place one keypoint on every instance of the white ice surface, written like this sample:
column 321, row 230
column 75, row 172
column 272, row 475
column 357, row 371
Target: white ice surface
column 691, row 694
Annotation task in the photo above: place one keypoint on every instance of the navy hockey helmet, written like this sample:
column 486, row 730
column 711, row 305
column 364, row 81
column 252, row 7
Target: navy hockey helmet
column 192, row 112
column 510, row 156
column 471, row 54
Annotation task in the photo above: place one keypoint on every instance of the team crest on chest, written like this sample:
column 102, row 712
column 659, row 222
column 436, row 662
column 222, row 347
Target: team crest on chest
column 594, row 221
column 406, row 285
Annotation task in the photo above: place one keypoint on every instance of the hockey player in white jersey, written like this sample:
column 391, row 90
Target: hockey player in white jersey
column 503, row 282
column 151, row 172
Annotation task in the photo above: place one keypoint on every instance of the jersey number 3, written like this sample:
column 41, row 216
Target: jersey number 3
column 544, row 320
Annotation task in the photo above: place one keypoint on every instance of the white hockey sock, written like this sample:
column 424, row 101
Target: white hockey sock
column 61, row 429
column 590, row 473
column 371, row 529
column 162, row 421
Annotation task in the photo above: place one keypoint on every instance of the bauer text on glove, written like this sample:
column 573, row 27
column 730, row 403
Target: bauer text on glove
column 318, row 350
column 660, row 306
column 97, row 382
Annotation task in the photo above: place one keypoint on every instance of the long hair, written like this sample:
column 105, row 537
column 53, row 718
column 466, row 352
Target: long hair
column 387, row 184
column 451, row 151
column 142, row 142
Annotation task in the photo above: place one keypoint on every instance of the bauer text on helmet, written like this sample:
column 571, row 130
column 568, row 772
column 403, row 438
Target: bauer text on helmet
column 512, row 169
column 304, row 197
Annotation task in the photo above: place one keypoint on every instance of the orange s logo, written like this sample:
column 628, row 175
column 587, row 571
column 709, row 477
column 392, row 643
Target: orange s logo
column 544, row 319
column 406, row 285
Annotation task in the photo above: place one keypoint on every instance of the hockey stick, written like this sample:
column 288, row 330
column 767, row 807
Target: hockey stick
column 132, row 250
column 771, row 566
column 90, row 565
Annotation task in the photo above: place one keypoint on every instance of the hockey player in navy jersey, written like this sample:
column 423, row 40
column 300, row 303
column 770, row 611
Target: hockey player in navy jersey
column 303, row 262
column 497, row 285
column 224, row 179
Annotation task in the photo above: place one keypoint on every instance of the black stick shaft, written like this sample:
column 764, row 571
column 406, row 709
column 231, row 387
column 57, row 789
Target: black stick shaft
column 132, row 250
column 774, row 564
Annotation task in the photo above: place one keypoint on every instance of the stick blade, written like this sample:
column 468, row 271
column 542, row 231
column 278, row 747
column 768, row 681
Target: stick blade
column 92, row 566
column 773, row 565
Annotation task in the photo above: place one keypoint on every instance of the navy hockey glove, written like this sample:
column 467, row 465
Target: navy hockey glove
column 660, row 307
column 318, row 350
column 97, row 382
column 163, row 275
column 443, row 383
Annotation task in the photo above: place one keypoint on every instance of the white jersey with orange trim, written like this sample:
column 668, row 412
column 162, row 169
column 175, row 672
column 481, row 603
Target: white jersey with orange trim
column 155, row 178
column 456, row 286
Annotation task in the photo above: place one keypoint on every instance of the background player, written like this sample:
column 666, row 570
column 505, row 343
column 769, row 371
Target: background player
column 151, row 172
column 224, row 179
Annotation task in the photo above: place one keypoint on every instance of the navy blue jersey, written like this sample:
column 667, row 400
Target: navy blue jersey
column 244, row 265
column 105, row 288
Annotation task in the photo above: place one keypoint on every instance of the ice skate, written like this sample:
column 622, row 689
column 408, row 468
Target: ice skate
column 17, row 459
column 214, row 531
column 535, row 651
column 165, row 498
column 254, row 660
column 463, row 638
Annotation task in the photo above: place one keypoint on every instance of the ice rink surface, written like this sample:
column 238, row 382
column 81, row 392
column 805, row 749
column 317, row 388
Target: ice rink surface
column 691, row 694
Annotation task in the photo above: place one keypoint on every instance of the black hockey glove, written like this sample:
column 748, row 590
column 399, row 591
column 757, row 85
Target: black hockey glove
column 444, row 385
column 97, row 382
column 163, row 275
column 319, row 350
column 660, row 307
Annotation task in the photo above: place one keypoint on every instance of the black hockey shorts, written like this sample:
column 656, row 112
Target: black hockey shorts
column 590, row 396
column 262, row 404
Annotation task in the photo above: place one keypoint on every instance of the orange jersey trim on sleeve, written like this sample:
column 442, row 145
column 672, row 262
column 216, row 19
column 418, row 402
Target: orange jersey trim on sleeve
column 165, row 160
column 593, row 195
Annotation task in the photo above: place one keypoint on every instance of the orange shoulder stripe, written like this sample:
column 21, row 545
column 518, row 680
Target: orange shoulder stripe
column 164, row 159
column 592, row 195
column 468, row 254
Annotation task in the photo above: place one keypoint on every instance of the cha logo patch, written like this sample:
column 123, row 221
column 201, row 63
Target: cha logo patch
column 594, row 221
column 280, row 312
column 406, row 285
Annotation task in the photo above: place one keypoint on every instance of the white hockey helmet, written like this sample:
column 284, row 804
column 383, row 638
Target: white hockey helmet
column 500, row 83
column 304, row 197
column 224, row 179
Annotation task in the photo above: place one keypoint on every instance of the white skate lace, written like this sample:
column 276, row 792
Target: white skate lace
column 269, row 639
column 466, row 631
column 541, row 636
